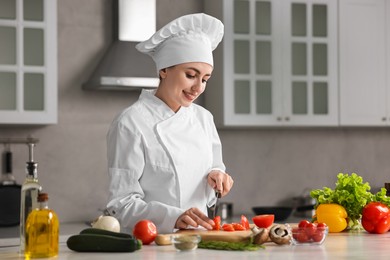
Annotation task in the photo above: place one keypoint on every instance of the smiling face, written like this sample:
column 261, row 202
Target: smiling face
column 182, row 84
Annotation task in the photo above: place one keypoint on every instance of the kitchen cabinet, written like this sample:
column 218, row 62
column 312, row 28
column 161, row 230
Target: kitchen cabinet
column 364, row 62
column 277, row 64
column 28, row 61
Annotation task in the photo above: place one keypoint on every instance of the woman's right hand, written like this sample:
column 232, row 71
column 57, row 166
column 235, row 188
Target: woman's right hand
column 220, row 181
column 193, row 217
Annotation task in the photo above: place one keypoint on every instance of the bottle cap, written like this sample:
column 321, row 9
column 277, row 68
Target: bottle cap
column 43, row 197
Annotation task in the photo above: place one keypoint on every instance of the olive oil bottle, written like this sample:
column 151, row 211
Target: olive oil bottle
column 29, row 195
column 42, row 231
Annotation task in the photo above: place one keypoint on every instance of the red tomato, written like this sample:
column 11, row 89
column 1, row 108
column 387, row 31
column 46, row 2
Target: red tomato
column 146, row 231
column 318, row 235
column 245, row 222
column 227, row 227
column 321, row 226
column 295, row 232
column 217, row 221
column 310, row 229
column 300, row 235
column 264, row 221
column 238, row 227
column 303, row 223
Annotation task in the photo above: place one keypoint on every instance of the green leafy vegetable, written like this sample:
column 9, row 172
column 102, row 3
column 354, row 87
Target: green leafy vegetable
column 236, row 246
column 380, row 196
column 351, row 193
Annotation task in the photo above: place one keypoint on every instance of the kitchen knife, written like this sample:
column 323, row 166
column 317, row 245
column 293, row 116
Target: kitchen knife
column 218, row 196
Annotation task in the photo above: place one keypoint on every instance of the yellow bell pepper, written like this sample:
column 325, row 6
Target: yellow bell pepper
column 333, row 215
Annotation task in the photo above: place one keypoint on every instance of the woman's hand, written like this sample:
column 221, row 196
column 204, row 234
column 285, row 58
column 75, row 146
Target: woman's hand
column 193, row 217
column 220, row 181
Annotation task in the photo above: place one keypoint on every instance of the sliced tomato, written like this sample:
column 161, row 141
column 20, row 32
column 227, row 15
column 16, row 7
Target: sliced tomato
column 245, row 222
column 238, row 227
column 264, row 220
column 217, row 221
column 227, row 227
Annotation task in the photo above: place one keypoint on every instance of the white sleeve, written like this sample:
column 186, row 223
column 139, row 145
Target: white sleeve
column 217, row 160
column 125, row 167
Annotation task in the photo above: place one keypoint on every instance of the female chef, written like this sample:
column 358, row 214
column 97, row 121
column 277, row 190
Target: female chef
column 164, row 153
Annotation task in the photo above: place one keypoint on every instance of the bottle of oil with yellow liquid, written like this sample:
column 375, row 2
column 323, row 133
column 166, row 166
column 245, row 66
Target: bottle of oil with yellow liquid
column 42, row 231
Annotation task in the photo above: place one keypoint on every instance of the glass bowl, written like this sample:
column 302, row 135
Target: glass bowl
column 185, row 242
column 308, row 235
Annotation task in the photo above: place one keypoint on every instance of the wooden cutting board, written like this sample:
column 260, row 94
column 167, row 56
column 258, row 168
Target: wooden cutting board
column 207, row 235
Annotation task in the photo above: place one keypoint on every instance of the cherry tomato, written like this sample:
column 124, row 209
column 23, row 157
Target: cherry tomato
column 310, row 229
column 321, row 226
column 238, row 227
column 318, row 235
column 217, row 221
column 146, row 231
column 245, row 222
column 300, row 235
column 227, row 227
column 309, row 232
column 295, row 232
column 264, row 221
column 303, row 223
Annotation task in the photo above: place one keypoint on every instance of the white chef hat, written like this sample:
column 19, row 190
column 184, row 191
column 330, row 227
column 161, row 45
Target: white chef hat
column 190, row 38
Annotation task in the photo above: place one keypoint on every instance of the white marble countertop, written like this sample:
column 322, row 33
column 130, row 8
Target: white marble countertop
column 344, row 245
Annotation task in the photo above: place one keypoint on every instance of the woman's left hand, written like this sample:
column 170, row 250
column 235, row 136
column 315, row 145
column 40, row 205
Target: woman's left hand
column 194, row 218
column 220, row 181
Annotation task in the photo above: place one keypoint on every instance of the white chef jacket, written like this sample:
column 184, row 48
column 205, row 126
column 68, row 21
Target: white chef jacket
column 159, row 160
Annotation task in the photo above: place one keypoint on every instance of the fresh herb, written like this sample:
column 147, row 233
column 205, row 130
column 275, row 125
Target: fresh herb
column 350, row 192
column 231, row 246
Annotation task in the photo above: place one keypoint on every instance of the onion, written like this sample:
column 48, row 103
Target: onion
column 107, row 223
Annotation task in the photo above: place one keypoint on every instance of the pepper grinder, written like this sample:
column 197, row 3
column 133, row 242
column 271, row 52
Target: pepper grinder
column 387, row 187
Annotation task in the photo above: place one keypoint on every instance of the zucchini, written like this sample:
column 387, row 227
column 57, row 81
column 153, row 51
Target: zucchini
column 98, row 231
column 102, row 243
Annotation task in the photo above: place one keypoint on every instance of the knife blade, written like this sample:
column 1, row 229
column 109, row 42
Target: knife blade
column 218, row 196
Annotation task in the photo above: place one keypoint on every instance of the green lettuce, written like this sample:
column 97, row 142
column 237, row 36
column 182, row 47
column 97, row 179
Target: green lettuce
column 380, row 196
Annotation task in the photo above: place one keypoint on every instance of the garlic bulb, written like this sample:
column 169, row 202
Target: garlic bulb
column 107, row 223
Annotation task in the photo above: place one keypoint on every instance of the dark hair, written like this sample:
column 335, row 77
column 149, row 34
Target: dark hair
column 164, row 69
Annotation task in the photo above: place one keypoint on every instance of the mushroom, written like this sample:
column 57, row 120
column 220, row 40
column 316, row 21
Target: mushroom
column 261, row 236
column 280, row 234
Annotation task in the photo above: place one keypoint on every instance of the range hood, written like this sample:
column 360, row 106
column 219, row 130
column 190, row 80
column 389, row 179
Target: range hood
column 122, row 66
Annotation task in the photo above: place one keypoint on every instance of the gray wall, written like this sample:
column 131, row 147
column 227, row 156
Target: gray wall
column 268, row 165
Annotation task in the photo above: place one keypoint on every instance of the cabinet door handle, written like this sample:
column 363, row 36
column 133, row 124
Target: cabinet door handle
column 287, row 118
column 279, row 118
column 383, row 118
